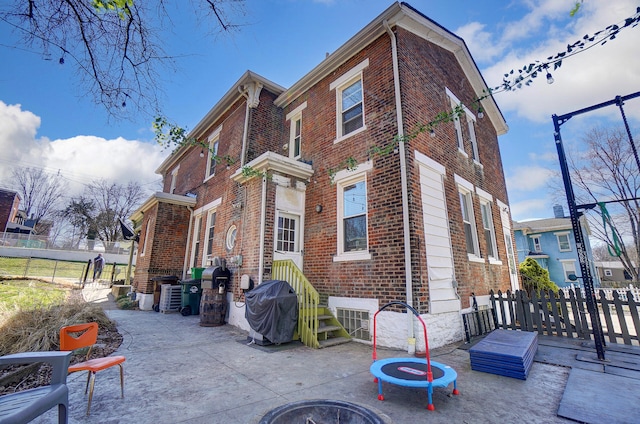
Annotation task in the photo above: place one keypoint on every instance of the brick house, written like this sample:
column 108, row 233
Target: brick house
column 426, row 223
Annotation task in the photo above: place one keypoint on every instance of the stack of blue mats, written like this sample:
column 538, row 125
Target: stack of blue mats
column 505, row 352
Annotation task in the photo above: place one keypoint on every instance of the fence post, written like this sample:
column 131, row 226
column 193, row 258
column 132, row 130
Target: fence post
column 86, row 273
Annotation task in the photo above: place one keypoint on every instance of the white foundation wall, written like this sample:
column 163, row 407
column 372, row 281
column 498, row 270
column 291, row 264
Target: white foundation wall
column 391, row 331
column 236, row 315
column 442, row 329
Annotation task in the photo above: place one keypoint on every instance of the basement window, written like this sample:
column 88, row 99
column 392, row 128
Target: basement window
column 355, row 321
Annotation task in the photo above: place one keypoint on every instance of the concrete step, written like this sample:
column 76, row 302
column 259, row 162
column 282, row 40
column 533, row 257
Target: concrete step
column 328, row 328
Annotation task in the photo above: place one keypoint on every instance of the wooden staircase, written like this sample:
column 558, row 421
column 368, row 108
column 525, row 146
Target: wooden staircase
column 317, row 327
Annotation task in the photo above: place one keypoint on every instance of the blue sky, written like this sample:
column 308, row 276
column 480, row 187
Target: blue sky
column 47, row 122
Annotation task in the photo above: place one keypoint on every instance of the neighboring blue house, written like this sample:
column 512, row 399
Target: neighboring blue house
column 552, row 244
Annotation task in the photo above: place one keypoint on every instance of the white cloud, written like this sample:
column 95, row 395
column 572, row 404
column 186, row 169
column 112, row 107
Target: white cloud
column 530, row 209
column 79, row 159
column 528, row 178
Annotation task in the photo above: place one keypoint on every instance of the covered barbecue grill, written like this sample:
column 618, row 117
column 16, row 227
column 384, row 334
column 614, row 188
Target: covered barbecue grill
column 271, row 309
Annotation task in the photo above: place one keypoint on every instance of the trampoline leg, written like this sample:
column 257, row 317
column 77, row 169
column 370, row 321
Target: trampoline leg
column 380, row 395
column 455, row 387
column 430, row 406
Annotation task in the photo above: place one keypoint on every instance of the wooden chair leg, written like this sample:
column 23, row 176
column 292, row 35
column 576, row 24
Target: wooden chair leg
column 121, row 381
column 93, row 382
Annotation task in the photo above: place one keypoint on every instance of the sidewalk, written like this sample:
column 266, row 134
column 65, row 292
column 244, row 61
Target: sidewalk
column 179, row 372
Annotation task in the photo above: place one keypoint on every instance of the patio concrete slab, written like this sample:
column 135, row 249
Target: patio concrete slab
column 179, row 372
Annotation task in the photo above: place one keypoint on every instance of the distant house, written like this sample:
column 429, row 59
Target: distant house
column 427, row 222
column 12, row 219
column 612, row 271
column 552, row 244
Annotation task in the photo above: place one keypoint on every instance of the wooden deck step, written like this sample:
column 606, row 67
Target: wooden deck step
column 333, row 341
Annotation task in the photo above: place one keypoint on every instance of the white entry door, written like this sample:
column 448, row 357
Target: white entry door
column 288, row 238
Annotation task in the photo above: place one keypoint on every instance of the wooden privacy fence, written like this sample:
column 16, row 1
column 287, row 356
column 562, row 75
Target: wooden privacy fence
column 561, row 315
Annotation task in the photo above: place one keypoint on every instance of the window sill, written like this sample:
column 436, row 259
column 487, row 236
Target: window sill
column 208, row 178
column 352, row 133
column 363, row 255
column 474, row 258
column 495, row 261
column 462, row 152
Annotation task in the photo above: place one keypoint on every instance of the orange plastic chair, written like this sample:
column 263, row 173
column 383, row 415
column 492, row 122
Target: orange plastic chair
column 80, row 336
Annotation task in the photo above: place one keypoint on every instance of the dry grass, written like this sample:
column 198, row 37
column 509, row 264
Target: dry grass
column 33, row 330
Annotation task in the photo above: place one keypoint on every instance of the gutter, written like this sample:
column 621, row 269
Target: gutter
column 263, row 222
column 411, row 341
column 186, row 251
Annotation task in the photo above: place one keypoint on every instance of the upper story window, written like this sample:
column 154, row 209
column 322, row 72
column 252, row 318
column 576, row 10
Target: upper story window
column 195, row 247
column 295, row 132
column 212, row 157
column 455, row 108
column 471, row 124
column 174, row 179
column 465, row 191
column 608, row 273
column 564, row 245
column 352, row 214
column 537, row 246
column 350, row 114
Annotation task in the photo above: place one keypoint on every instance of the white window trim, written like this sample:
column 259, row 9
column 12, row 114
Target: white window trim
column 212, row 139
column 607, row 272
column 338, row 85
column 564, row 269
column 563, row 233
column 467, row 189
column 293, row 116
column 174, row 177
column 343, row 178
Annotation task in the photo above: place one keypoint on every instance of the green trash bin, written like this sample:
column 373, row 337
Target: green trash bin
column 191, row 294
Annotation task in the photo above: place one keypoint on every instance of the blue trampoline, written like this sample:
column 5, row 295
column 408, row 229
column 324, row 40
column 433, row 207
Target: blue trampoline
column 411, row 372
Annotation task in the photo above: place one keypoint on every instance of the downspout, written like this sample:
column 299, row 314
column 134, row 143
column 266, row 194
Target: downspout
column 263, row 222
column 186, row 250
column 411, row 340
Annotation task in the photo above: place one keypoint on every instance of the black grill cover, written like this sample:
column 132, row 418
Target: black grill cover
column 272, row 310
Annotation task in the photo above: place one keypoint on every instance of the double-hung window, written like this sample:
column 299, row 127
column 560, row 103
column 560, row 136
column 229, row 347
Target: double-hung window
column 295, row 132
column 352, row 225
column 195, row 247
column 456, row 106
column 465, row 193
column 211, row 225
column 471, row 124
column 174, row 179
column 564, row 245
column 569, row 267
column 212, row 157
column 537, row 245
column 487, row 224
column 350, row 112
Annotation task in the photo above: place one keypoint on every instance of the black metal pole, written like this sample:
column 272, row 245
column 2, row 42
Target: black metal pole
column 592, row 306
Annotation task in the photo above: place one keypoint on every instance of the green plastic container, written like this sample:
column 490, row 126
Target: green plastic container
column 191, row 294
column 196, row 273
